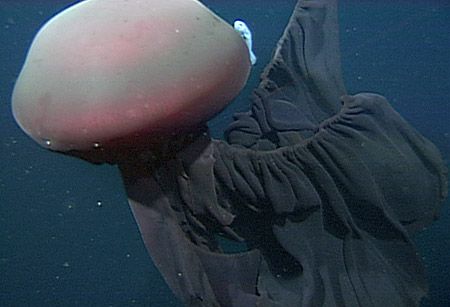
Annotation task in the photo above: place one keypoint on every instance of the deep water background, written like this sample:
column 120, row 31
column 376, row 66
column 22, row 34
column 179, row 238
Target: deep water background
column 67, row 236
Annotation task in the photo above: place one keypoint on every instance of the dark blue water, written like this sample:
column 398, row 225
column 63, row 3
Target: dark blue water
column 67, row 237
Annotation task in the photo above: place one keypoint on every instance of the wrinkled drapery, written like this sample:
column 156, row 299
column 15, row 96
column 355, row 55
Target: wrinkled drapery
column 324, row 189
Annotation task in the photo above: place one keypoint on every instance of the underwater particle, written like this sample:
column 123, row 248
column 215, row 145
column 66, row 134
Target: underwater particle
column 99, row 203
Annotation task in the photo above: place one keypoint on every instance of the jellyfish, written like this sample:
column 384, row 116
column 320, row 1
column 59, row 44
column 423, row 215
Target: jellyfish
column 324, row 188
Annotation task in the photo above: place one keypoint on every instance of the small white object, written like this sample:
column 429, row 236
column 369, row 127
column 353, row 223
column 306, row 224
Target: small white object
column 242, row 28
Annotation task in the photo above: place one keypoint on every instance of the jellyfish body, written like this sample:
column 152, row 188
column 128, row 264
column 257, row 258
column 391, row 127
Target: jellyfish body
column 110, row 73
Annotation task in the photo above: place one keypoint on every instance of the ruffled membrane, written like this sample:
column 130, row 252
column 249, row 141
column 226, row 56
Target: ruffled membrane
column 340, row 206
column 323, row 188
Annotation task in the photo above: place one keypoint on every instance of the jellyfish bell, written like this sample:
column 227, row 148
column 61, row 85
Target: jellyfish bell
column 114, row 73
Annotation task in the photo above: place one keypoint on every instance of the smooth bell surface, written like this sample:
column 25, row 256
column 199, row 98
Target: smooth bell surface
column 104, row 73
